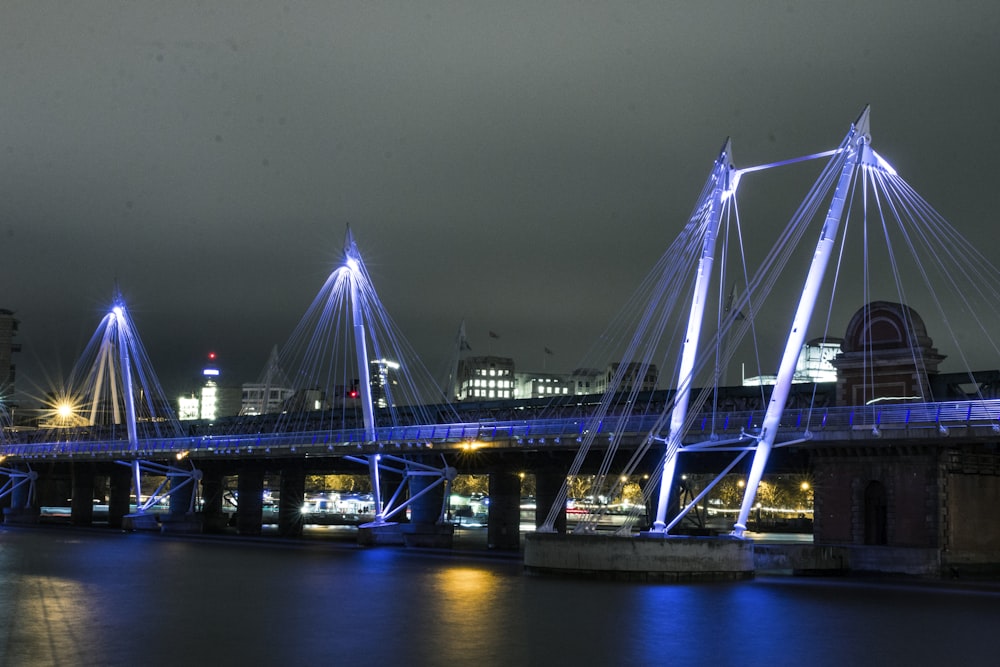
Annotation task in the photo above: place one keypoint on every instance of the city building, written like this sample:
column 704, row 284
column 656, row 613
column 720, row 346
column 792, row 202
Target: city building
column 584, row 381
column 907, row 360
column 211, row 400
column 814, row 364
column 634, row 375
column 258, row 398
column 542, row 385
column 8, row 329
column 384, row 377
column 484, row 378
column 270, row 393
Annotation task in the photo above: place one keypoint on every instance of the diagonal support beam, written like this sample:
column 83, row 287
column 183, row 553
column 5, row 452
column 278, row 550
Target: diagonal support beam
column 857, row 140
column 724, row 175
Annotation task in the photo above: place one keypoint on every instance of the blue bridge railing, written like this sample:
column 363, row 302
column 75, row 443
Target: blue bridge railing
column 874, row 419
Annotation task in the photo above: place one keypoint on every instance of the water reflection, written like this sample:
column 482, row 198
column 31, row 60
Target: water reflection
column 101, row 598
column 464, row 602
column 49, row 621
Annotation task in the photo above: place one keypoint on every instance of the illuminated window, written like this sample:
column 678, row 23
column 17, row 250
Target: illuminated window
column 189, row 407
column 208, row 402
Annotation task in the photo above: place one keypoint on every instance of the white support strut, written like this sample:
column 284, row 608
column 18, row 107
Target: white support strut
column 725, row 183
column 857, row 140
column 353, row 266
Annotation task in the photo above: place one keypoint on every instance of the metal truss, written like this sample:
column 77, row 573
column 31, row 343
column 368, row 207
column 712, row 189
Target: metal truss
column 409, row 470
column 175, row 479
column 17, row 478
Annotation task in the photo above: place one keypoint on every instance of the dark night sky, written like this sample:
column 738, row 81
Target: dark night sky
column 520, row 165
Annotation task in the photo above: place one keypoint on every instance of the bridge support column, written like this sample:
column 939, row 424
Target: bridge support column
column 250, row 514
column 19, row 497
column 181, row 518
column 503, row 531
column 180, row 498
column 292, row 495
column 54, row 486
column 23, row 508
column 119, row 495
column 82, row 502
column 213, row 519
column 547, row 486
column 425, row 528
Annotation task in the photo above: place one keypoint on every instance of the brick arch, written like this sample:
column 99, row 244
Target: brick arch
column 882, row 325
column 885, row 355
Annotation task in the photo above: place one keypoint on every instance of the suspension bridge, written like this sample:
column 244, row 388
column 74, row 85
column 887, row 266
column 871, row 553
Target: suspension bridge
column 411, row 445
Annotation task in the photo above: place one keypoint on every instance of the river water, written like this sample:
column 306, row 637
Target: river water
column 98, row 597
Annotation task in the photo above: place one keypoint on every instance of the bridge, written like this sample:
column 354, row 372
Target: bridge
column 884, row 412
column 968, row 421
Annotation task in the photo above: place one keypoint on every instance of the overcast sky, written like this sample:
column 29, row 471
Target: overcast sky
column 518, row 165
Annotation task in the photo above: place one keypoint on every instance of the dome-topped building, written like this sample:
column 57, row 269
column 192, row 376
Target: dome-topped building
column 886, row 356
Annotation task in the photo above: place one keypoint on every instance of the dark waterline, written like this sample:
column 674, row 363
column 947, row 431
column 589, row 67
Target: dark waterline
column 90, row 597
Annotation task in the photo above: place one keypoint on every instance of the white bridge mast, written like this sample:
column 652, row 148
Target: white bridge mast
column 726, row 179
column 353, row 264
column 857, row 144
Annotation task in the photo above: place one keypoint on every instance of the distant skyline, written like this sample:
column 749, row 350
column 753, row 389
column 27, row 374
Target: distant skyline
column 517, row 165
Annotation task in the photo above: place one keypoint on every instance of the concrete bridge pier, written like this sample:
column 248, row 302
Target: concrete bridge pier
column 180, row 497
column 23, row 508
column 119, row 495
column 82, row 501
column 548, row 483
column 503, row 519
column 181, row 518
column 390, row 533
column 426, row 528
column 54, row 486
column 905, row 508
column 213, row 519
column 292, row 495
column 250, row 491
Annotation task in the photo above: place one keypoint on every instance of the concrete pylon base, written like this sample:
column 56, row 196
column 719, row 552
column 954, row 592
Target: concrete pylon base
column 214, row 522
column 140, row 521
column 640, row 558
column 428, row 535
column 21, row 515
column 378, row 535
column 181, row 523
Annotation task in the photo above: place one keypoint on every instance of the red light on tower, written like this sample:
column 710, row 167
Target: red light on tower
column 212, row 370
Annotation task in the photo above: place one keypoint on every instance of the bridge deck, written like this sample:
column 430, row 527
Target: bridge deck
column 977, row 421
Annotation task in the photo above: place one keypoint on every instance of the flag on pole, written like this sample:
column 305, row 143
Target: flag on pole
column 548, row 351
column 494, row 334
